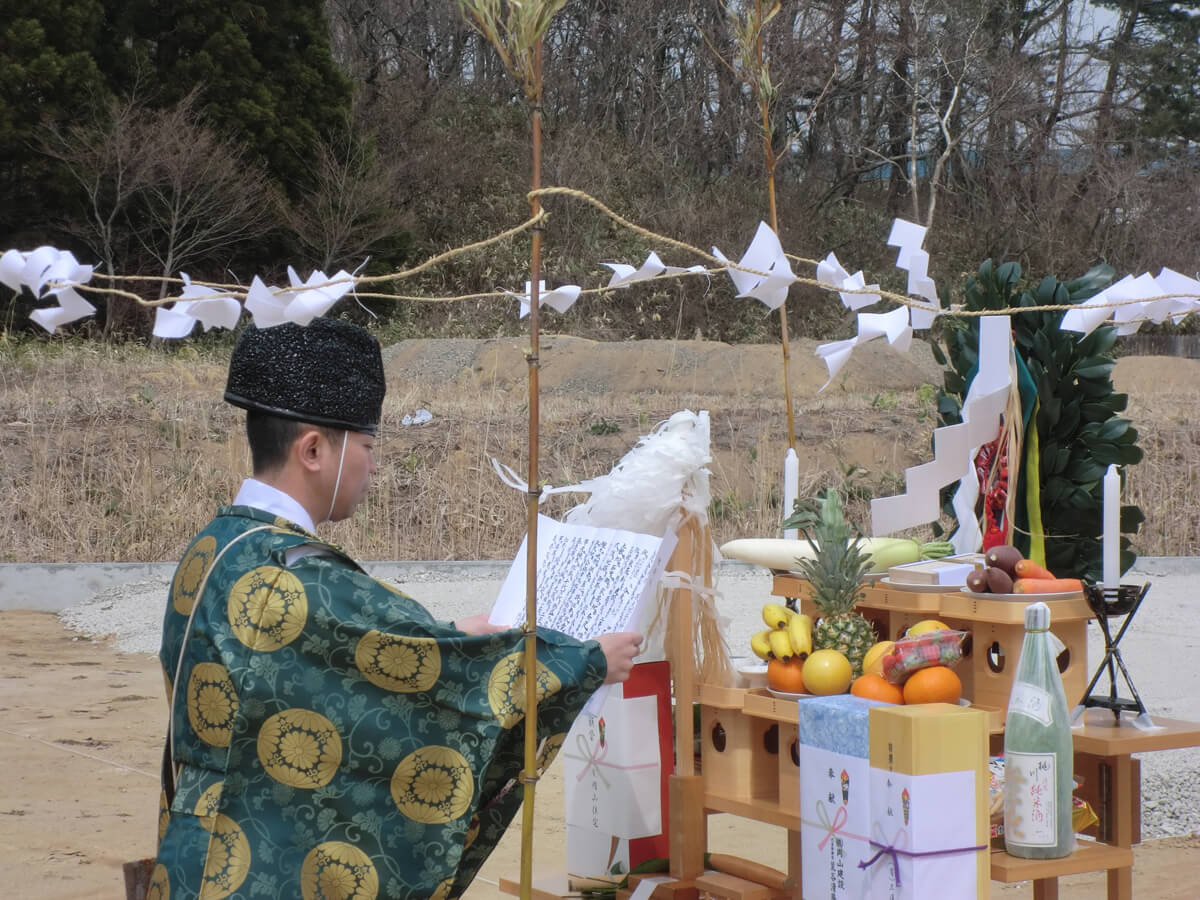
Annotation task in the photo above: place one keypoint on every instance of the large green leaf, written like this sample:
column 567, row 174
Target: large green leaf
column 1114, row 428
column 1053, row 492
column 1068, row 422
column 1081, row 498
column 1090, row 283
column 1081, row 470
column 1131, row 518
column 949, row 408
column 936, row 349
column 1092, row 368
column 1106, row 453
column 1130, row 454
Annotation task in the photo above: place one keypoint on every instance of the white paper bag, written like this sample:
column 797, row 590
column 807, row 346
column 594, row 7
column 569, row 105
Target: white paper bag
column 612, row 769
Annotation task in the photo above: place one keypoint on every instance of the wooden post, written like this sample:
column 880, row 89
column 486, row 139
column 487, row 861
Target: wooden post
column 793, row 863
column 683, row 661
column 689, row 826
column 688, row 822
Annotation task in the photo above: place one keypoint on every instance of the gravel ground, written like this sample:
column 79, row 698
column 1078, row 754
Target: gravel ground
column 1157, row 650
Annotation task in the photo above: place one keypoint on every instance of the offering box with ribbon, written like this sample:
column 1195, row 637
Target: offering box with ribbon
column 928, row 833
column 835, row 806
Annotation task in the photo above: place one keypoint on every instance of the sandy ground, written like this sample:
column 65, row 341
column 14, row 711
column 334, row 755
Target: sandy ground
column 79, row 744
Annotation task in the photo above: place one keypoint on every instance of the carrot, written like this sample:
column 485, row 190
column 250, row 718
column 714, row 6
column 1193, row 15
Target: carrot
column 1027, row 568
column 1046, row 585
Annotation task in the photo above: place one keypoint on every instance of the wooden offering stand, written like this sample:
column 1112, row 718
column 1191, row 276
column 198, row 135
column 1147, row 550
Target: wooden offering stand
column 748, row 739
column 1104, row 743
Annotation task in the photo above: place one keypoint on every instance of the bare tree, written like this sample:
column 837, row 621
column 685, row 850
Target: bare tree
column 157, row 184
column 353, row 205
column 203, row 194
column 108, row 158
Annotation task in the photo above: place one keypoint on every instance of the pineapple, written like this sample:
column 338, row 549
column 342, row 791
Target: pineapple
column 836, row 574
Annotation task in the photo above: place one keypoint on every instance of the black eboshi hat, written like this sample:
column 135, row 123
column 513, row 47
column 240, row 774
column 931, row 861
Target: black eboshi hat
column 328, row 372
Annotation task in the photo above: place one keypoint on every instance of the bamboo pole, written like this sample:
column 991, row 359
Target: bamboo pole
column 529, row 777
column 769, row 159
column 516, row 31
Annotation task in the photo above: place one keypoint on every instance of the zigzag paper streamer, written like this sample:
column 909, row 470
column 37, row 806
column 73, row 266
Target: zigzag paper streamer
column 954, row 447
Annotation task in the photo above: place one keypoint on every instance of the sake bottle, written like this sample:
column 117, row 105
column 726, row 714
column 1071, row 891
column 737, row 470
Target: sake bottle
column 1038, row 756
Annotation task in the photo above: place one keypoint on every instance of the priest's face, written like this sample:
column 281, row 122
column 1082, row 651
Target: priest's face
column 357, row 468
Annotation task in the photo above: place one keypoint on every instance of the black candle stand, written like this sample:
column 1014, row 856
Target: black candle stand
column 1109, row 603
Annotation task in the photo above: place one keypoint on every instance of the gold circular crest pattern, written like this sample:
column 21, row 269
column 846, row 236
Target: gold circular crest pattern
column 394, row 662
column 442, row 891
column 506, row 687
column 191, row 572
column 212, row 703
column 267, row 608
column 338, row 871
column 289, row 527
column 548, row 751
column 164, row 815
column 300, row 748
column 228, row 860
column 433, row 785
column 160, row 884
column 208, row 804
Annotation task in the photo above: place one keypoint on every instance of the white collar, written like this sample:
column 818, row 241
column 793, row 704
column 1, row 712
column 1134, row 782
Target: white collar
column 270, row 499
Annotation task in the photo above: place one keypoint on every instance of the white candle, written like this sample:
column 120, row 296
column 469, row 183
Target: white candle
column 791, row 488
column 1110, row 546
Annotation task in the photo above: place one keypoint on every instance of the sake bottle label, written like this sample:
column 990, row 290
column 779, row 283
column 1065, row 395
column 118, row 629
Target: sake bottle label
column 1030, row 700
column 1030, row 785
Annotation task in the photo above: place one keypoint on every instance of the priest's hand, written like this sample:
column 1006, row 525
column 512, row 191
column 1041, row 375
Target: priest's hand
column 620, row 649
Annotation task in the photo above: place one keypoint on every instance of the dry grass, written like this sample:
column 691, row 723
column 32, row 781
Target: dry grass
column 121, row 454
column 1166, row 485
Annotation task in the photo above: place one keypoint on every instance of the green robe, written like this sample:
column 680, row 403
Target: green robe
column 332, row 739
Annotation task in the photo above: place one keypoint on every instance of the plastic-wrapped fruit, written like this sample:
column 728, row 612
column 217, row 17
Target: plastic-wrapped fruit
column 925, row 626
column 1003, row 556
column 873, row 661
column 977, row 581
column 999, row 581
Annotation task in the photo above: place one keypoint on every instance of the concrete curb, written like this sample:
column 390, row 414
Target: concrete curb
column 53, row 587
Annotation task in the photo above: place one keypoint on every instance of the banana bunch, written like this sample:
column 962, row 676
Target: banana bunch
column 789, row 634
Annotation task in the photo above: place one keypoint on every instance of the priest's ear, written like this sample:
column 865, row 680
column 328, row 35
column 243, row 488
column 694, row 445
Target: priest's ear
column 311, row 445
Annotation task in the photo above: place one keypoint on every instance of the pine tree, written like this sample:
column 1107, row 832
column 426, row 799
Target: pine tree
column 1153, row 68
column 48, row 75
column 264, row 72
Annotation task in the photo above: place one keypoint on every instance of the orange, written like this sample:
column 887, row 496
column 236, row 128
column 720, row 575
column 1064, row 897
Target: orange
column 933, row 684
column 786, row 675
column 876, row 687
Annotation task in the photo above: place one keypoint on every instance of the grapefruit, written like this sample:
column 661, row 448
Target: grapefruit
column 827, row 672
